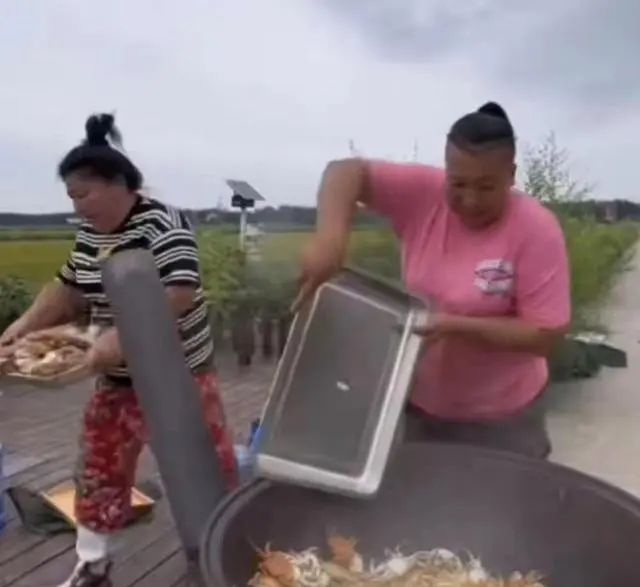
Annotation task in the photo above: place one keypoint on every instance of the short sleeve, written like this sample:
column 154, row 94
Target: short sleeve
column 542, row 281
column 403, row 192
column 176, row 255
column 67, row 274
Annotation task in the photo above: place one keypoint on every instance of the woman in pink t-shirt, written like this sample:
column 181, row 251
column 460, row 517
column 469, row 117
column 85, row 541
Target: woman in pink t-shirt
column 492, row 259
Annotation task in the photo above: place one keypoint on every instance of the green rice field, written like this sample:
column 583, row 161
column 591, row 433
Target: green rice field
column 36, row 259
column 598, row 253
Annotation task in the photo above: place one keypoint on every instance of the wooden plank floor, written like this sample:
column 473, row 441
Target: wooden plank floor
column 39, row 429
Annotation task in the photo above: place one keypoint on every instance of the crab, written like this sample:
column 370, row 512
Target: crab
column 278, row 566
column 432, row 568
column 45, row 353
column 302, row 569
column 344, row 553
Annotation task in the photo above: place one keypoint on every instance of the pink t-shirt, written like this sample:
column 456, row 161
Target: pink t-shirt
column 517, row 267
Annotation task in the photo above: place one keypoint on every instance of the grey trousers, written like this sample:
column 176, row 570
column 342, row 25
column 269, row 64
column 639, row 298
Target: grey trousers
column 523, row 433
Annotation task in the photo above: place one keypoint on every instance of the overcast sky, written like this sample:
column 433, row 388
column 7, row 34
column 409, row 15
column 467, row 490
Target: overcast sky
column 270, row 90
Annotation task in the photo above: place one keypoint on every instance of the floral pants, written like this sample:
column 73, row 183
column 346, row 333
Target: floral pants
column 113, row 437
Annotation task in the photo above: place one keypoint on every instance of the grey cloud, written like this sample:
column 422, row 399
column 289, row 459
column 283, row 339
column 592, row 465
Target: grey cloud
column 590, row 55
column 28, row 177
column 270, row 91
column 424, row 30
column 583, row 51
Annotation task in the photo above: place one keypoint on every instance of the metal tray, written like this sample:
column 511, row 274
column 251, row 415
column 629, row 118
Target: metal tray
column 341, row 386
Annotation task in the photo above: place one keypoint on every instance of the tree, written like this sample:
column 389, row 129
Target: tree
column 548, row 177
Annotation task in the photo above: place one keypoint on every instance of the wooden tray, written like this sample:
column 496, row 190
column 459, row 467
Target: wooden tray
column 74, row 375
column 62, row 498
column 69, row 377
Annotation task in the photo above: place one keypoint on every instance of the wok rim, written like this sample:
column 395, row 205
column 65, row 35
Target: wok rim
column 235, row 501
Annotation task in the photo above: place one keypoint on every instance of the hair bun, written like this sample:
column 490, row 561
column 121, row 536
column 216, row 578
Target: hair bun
column 493, row 109
column 99, row 128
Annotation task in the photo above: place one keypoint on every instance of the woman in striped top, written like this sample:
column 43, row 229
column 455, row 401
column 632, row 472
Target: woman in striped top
column 104, row 186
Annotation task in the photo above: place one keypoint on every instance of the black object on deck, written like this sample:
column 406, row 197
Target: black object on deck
column 186, row 456
column 512, row 512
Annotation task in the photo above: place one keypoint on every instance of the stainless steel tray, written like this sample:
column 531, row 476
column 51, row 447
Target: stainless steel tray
column 341, row 386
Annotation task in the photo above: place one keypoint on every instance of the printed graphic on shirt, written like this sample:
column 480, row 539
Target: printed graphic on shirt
column 494, row 277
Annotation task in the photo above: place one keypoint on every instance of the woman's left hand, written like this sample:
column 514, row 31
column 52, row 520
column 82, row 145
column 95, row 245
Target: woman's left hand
column 504, row 333
column 438, row 326
column 106, row 352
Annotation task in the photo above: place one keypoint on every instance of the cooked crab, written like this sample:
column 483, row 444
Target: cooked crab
column 433, row 568
column 47, row 353
column 302, row 569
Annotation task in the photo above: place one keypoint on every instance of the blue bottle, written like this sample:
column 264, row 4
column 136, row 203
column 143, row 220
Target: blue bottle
column 254, row 436
column 245, row 455
column 244, row 458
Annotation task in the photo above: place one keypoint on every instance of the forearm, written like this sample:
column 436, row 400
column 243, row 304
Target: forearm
column 342, row 186
column 512, row 334
column 181, row 298
column 56, row 303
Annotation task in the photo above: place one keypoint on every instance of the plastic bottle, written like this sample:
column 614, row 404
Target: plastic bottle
column 254, row 436
column 245, row 455
column 244, row 458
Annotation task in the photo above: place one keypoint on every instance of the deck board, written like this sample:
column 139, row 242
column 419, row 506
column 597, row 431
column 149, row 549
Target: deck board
column 42, row 426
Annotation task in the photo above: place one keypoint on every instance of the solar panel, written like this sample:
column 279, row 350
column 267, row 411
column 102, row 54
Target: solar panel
column 244, row 189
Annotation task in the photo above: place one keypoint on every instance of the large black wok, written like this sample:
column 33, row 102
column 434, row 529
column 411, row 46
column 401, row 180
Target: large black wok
column 512, row 512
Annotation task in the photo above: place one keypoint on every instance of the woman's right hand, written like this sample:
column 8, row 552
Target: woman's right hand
column 11, row 335
column 321, row 259
column 343, row 185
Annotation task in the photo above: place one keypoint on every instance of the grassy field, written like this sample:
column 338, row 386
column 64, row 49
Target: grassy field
column 597, row 252
column 36, row 234
column 35, row 261
column 27, row 256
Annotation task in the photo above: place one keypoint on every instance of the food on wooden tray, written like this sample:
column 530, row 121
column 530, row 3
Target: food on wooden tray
column 5, row 363
column 47, row 354
column 345, row 568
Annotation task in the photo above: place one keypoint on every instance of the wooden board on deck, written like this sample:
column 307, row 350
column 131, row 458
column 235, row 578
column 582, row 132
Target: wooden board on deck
column 46, row 425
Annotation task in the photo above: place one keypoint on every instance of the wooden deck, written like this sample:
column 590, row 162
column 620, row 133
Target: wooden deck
column 39, row 429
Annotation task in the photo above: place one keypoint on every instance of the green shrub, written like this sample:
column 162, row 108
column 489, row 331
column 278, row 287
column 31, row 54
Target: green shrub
column 377, row 252
column 272, row 287
column 16, row 297
column 597, row 254
column 222, row 265
column 233, row 284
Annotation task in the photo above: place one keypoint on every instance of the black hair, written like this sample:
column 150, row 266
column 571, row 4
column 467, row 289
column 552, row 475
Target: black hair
column 98, row 158
column 487, row 127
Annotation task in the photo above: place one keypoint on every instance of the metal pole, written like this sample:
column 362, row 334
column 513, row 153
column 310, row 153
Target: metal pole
column 243, row 227
column 185, row 453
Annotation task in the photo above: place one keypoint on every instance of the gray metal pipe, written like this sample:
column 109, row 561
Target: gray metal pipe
column 186, row 456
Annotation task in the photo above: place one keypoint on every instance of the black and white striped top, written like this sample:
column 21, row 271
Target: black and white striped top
column 167, row 234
